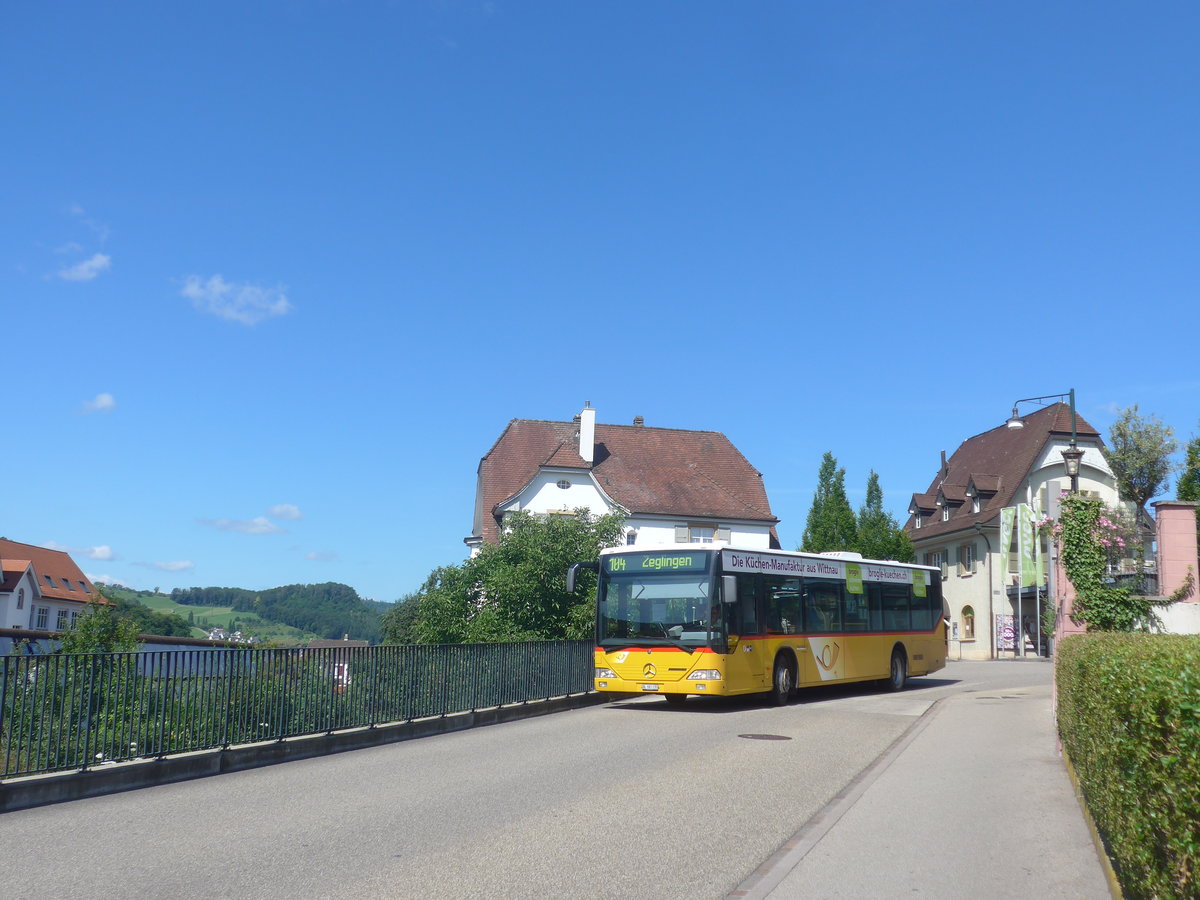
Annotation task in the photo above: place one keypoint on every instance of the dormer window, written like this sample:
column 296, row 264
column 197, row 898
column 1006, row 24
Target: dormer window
column 946, row 512
column 917, row 519
column 975, row 504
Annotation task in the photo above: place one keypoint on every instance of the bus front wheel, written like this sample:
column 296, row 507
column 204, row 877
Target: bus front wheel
column 782, row 683
column 675, row 699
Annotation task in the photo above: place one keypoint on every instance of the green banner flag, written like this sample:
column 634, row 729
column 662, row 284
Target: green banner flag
column 1030, row 575
column 1008, row 515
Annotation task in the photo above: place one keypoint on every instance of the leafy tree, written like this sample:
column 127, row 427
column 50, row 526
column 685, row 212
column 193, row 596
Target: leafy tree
column 879, row 535
column 830, row 524
column 514, row 590
column 1139, row 451
column 1188, row 486
column 102, row 629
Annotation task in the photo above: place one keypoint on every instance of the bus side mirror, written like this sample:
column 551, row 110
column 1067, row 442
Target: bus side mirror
column 729, row 589
column 573, row 574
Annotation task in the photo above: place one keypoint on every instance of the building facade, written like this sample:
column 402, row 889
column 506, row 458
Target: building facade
column 673, row 485
column 956, row 524
column 41, row 589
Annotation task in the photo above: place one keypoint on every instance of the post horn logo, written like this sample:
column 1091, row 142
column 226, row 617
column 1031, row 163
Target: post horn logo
column 649, row 671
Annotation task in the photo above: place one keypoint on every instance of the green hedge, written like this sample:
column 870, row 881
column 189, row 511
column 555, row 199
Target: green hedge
column 1129, row 718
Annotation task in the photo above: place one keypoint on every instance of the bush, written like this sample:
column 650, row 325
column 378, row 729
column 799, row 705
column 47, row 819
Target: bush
column 1129, row 718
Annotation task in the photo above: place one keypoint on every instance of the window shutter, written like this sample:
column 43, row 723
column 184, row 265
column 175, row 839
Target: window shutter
column 681, row 534
column 723, row 534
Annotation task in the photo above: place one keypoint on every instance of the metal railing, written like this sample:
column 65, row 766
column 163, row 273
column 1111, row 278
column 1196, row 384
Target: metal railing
column 73, row 711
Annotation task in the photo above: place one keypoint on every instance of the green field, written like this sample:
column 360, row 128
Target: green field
column 208, row 617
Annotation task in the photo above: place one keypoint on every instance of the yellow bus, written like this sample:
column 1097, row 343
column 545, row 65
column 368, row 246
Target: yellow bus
column 717, row 620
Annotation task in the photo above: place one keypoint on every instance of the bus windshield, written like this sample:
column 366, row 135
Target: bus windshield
column 674, row 609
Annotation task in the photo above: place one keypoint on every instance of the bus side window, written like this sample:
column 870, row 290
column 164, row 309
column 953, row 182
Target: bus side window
column 747, row 604
column 922, row 620
column 783, row 604
column 854, row 611
column 822, row 606
column 896, row 608
column 875, row 602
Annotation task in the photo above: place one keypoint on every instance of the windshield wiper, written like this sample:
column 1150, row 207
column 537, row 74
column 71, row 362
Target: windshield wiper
column 647, row 642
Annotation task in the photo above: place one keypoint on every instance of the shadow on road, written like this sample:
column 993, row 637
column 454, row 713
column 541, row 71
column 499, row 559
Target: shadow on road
column 806, row 696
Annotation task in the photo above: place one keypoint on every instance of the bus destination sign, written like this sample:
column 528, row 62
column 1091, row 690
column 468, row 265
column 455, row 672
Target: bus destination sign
column 669, row 561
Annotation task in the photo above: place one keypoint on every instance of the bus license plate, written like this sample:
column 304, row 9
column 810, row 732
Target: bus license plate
column 649, row 687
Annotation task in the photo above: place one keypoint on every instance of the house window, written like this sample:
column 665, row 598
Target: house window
column 937, row 558
column 917, row 520
column 968, row 623
column 563, row 484
column 42, row 619
column 630, row 538
column 975, row 504
column 74, row 617
column 21, row 598
column 67, row 582
column 946, row 513
column 967, row 563
column 701, row 534
column 49, row 581
column 61, row 624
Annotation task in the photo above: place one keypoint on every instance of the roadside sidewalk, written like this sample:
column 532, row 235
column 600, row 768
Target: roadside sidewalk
column 974, row 801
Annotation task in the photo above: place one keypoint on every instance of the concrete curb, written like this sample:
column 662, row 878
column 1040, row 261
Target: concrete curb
column 1114, row 884
column 61, row 787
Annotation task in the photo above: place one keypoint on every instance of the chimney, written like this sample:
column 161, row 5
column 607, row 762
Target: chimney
column 945, row 468
column 587, row 433
column 638, row 421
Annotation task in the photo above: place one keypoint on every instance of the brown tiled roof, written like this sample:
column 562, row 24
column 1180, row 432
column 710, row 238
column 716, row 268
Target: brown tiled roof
column 927, row 502
column 650, row 471
column 953, row 493
column 56, row 564
column 985, row 484
column 1001, row 459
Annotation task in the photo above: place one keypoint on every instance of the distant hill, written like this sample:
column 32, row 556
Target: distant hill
column 329, row 610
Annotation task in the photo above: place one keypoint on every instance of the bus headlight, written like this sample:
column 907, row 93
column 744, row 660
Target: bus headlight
column 605, row 673
column 705, row 675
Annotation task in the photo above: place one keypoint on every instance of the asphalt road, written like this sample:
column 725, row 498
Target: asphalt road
column 630, row 799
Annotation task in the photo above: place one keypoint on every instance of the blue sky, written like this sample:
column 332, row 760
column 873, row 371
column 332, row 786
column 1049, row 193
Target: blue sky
column 275, row 276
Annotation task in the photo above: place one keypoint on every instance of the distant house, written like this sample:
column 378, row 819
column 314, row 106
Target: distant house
column 42, row 589
column 955, row 523
column 674, row 485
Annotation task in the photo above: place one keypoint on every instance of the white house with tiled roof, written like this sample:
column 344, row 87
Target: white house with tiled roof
column 41, row 589
column 955, row 523
column 674, row 485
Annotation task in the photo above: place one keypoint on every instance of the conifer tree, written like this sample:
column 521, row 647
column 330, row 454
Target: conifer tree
column 879, row 535
column 1188, row 487
column 831, row 524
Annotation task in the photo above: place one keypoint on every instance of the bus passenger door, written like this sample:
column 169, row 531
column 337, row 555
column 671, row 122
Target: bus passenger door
column 745, row 668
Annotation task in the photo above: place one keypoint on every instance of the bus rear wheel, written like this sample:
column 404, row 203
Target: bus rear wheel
column 675, row 699
column 783, row 682
column 898, row 673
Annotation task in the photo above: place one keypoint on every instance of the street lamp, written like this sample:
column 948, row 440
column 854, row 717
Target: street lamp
column 1072, row 455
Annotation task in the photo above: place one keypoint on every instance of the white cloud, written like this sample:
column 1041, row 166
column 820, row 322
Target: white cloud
column 102, row 403
column 258, row 525
column 321, row 555
column 101, row 579
column 244, row 303
column 285, row 511
column 88, row 269
column 182, row 565
column 103, row 553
